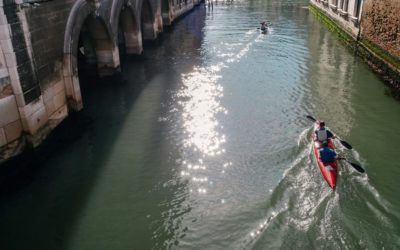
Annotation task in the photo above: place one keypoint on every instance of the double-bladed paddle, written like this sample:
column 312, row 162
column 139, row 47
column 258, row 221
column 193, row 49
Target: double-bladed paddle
column 356, row 166
column 344, row 143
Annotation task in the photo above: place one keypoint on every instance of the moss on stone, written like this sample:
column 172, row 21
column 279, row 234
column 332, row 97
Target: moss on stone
column 386, row 65
column 381, row 53
column 334, row 27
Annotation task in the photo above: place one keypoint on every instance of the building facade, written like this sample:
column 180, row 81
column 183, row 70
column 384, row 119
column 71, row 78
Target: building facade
column 371, row 28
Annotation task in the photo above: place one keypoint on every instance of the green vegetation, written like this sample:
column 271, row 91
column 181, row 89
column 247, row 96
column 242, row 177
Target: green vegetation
column 334, row 27
column 381, row 53
column 377, row 58
column 351, row 42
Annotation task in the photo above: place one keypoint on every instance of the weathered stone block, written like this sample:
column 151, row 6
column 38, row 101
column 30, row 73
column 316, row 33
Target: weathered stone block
column 104, row 57
column 67, row 66
column 3, row 140
column 60, row 114
column 50, row 107
column 31, row 108
column 3, row 18
column 4, row 73
column 7, row 46
column 59, row 86
column 47, row 94
column 5, row 87
column 13, row 73
column 54, row 97
column 59, row 99
column 103, row 45
column 11, row 60
column 4, row 31
column 16, row 86
column 8, row 110
column 35, row 121
column 20, row 100
column 13, row 130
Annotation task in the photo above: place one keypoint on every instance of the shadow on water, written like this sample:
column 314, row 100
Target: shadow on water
column 45, row 189
column 19, row 172
column 43, row 192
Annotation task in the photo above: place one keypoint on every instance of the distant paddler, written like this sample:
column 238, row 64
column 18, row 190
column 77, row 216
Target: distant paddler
column 264, row 25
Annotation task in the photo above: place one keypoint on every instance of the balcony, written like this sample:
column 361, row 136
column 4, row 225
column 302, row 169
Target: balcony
column 343, row 13
column 333, row 7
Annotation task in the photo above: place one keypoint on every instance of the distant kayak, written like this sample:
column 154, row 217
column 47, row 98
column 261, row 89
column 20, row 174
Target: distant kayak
column 328, row 170
column 264, row 26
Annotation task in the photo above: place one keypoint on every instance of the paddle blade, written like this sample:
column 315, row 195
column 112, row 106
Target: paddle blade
column 346, row 144
column 311, row 118
column 357, row 167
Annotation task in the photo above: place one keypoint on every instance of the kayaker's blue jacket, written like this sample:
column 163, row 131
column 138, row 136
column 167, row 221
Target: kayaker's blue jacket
column 327, row 154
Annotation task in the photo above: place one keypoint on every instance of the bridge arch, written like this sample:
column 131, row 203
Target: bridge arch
column 166, row 12
column 84, row 17
column 147, row 15
column 125, row 20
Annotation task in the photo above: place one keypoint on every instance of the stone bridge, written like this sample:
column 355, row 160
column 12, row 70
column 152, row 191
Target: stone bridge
column 40, row 44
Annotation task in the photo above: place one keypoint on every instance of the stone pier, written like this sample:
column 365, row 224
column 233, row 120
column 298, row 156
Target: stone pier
column 41, row 42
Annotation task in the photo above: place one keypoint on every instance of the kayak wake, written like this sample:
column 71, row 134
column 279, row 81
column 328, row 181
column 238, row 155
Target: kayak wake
column 302, row 203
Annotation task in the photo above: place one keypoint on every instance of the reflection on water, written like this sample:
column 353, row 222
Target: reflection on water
column 200, row 106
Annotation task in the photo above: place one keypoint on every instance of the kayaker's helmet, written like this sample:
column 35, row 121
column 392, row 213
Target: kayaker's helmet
column 321, row 123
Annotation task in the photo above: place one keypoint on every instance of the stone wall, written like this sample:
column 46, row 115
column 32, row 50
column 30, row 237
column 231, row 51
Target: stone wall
column 380, row 40
column 39, row 48
column 381, row 24
column 375, row 36
column 47, row 24
column 345, row 13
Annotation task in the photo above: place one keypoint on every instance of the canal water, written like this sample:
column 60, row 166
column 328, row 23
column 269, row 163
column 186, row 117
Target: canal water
column 202, row 143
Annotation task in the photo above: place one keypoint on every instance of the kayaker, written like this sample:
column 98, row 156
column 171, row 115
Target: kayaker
column 327, row 154
column 264, row 25
column 322, row 134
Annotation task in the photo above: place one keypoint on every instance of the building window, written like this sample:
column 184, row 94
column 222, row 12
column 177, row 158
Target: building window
column 357, row 8
column 345, row 5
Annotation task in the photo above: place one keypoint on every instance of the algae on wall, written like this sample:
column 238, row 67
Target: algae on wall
column 379, row 50
column 345, row 37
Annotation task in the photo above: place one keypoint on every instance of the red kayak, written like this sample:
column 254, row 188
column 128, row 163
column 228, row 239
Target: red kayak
column 328, row 170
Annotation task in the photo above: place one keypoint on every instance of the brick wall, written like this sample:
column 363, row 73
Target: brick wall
column 47, row 26
column 381, row 24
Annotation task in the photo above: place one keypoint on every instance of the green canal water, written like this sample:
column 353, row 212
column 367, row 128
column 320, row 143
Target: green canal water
column 202, row 143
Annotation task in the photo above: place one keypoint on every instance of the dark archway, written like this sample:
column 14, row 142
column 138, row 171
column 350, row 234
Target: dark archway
column 147, row 21
column 107, row 57
column 95, row 52
column 165, row 12
column 129, row 34
column 86, row 53
column 84, row 28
